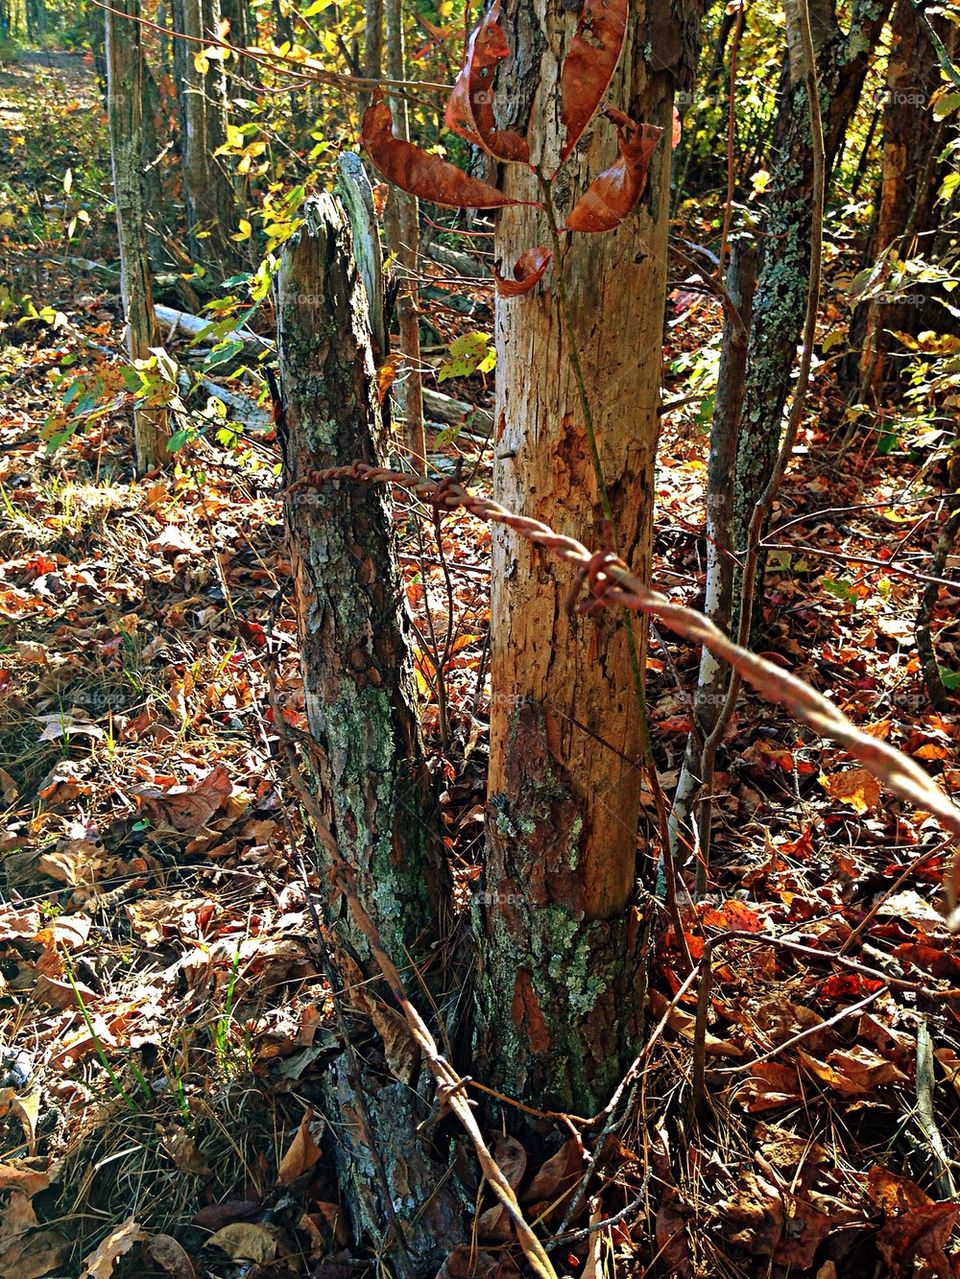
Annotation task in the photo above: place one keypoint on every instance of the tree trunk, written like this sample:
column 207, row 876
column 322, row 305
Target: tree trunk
column 358, row 675
column 780, row 305
column 561, row 985
column 125, row 106
column 403, row 233
column 208, row 189
column 370, row 773
column 727, row 407
column 912, row 140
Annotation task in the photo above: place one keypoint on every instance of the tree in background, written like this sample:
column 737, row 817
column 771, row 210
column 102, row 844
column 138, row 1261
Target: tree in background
column 209, row 195
column 842, row 59
column 125, row 110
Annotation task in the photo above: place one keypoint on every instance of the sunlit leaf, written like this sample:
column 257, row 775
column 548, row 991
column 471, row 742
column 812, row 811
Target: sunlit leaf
column 590, row 64
column 469, row 110
column 612, row 195
column 422, row 174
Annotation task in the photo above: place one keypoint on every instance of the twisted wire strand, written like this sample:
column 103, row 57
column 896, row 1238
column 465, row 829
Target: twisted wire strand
column 610, row 582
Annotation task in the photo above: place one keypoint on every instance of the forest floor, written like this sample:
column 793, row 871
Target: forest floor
column 164, row 1020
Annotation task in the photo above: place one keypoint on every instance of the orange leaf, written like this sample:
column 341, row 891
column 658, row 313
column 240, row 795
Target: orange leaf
column 301, row 1155
column 854, row 786
column 422, row 174
column 527, row 273
column 469, row 109
column 590, row 64
column 612, row 195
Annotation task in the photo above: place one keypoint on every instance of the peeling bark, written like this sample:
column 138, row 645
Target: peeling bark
column 358, row 677
column 561, row 978
column 369, row 768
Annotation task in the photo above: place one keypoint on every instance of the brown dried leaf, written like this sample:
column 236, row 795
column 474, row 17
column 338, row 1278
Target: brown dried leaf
column 590, row 64
column 301, row 1155
column 854, row 786
column 527, row 273
column 422, row 174
column 99, row 1264
column 557, row 1176
column 612, row 195
column 29, row 1180
column 246, row 1241
column 854, row 1072
column 182, row 1149
column 171, row 1256
column 469, row 110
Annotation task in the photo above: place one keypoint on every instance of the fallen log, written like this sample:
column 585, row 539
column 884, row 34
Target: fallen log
column 441, row 408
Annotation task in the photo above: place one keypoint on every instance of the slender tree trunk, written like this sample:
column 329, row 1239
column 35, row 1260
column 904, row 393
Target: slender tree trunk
column 370, row 773
column 209, row 194
column 728, row 405
column 403, row 233
column 842, row 60
column 912, row 139
column 372, row 48
column 125, row 105
column 561, row 981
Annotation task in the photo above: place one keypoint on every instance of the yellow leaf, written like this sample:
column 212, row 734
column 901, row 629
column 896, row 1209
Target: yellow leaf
column 855, row 787
column 245, row 232
column 201, row 62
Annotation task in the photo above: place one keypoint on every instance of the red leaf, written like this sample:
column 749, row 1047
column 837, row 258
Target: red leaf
column 415, row 170
column 590, row 64
column 612, row 195
column 531, row 264
column 470, row 105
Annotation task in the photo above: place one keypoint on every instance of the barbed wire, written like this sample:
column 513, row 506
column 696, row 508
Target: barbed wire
column 609, row 582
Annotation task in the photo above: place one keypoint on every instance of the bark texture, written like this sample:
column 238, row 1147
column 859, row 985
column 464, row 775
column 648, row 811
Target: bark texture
column 780, row 305
column 370, row 775
column 125, row 111
column 560, row 986
column 358, row 677
column 724, row 434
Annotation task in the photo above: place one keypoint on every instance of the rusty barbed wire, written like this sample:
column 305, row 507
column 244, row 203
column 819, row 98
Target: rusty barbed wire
column 609, row 581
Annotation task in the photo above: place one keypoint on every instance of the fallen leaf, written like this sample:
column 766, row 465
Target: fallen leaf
column 854, row 786
column 99, row 1264
column 302, row 1153
column 246, row 1241
column 171, row 1256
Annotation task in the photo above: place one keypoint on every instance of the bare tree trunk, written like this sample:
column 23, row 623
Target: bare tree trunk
column 370, row 773
column 209, row 193
column 728, row 405
column 842, row 61
column 403, row 234
column 372, row 48
column 125, row 108
column 561, row 983
column 912, row 139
